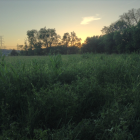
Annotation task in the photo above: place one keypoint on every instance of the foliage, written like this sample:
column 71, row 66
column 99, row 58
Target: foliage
column 14, row 53
column 70, row 97
column 121, row 36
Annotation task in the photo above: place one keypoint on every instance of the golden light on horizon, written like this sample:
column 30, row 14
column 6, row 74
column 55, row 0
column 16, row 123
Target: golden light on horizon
column 21, row 40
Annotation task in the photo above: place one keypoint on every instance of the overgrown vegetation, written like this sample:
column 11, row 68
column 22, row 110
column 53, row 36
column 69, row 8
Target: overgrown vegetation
column 75, row 97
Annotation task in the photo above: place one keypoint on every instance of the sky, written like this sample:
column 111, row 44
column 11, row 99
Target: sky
column 85, row 17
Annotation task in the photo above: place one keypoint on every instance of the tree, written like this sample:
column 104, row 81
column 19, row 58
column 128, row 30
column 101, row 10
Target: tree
column 90, row 44
column 66, row 39
column 58, row 40
column 105, row 30
column 101, row 45
column 32, row 38
column 119, row 25
column 127, row 20
column 136, row 37
column 109, row 43
column 48, row 36
column 38, row 49
column 74, row 39
column 52, row 38
column 14, row 53
column 44, row 36
column 118, row 41
column 132, row 17
column 19, row 47
column 26, row 48
column 73, row 50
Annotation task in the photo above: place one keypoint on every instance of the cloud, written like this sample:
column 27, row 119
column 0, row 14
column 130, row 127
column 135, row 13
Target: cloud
column 86, row 20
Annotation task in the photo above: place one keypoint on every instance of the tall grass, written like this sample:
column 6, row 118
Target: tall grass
column 76, row 97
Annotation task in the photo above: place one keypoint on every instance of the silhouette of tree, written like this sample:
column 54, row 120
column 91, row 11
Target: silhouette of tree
column 32, row 38
column 14, row 53
column 44, row 36
column 38, row 49
column 132, row 17
column 74, row 39
column 66, row 39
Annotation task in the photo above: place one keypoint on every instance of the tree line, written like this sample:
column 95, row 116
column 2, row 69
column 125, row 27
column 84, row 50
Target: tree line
column 122, row 36
column 47, row 41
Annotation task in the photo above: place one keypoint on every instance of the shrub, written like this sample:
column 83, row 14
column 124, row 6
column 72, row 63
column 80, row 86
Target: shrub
column 14, row 53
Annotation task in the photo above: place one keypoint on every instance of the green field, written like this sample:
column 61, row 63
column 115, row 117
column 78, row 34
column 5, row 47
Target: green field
column 70, row 97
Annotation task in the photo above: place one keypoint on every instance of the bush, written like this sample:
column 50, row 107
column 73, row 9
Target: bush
column 14, row 53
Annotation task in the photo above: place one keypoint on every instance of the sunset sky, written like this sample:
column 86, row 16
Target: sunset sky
column 85, row 17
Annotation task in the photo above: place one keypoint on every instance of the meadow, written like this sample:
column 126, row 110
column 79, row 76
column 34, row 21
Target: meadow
column 70, row 97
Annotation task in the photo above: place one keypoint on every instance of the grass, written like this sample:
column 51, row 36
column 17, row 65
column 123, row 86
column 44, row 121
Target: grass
column 70, row 97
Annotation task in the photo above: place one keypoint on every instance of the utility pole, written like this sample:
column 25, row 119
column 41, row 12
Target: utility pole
column 1, row 42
